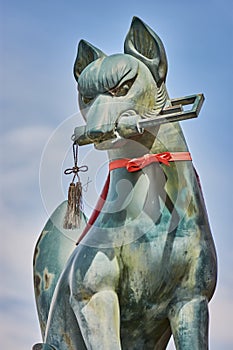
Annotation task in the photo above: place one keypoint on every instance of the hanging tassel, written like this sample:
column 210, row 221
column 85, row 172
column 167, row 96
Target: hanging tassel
column 73, row 214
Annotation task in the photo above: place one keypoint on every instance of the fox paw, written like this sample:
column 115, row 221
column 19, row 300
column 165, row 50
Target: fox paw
column 42, row 346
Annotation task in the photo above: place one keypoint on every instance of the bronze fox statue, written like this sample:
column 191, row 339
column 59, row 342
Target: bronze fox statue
column 146, row 269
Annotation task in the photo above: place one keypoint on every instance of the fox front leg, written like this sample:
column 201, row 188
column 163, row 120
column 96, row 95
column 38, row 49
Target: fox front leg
column 99, row 321
column 189, row 323
column 96, row 304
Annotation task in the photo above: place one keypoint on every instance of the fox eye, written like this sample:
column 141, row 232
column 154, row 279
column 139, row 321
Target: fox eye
column 86, row 99
column 123, row 89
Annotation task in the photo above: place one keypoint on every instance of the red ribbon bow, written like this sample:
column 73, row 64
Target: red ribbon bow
column 136, row 164
column 139, row 163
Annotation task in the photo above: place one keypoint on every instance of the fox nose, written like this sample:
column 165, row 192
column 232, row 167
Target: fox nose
column 95, row 134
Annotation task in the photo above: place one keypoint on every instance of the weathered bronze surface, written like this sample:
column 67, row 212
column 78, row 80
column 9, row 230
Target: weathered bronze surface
column 147, row 268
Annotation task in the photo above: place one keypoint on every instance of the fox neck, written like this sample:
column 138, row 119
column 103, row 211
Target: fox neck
column 165, row 138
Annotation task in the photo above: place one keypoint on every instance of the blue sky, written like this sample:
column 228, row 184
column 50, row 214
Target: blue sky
column 39, row 111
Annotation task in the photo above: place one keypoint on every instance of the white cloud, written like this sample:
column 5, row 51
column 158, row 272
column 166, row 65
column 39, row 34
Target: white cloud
column 18, row 323
column 221, row 319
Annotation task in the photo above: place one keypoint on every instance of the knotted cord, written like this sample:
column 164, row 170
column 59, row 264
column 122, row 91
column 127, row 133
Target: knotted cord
column 75, row 205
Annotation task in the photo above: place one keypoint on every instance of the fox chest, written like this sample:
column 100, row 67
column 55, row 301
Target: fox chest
column 143, row 272
column 152, row 272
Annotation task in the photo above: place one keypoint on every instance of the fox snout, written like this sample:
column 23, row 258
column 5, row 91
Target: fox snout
column 101, row 118
column 98, row 135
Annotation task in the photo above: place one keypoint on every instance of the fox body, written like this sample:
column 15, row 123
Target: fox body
column 146, row 269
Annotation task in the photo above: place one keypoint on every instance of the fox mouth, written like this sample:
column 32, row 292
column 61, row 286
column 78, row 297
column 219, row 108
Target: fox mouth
column 115, row 142
column 125, row 126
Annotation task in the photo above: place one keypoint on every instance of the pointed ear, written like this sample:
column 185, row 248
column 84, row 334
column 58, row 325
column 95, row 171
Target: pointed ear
column 87, row 53
column 142, row 43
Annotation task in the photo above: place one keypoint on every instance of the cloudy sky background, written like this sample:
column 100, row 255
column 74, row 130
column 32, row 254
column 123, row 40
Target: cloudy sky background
column 39, row 111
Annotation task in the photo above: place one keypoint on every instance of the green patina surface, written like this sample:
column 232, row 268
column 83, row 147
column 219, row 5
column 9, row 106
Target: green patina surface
column 146, row 270
column 52, row 251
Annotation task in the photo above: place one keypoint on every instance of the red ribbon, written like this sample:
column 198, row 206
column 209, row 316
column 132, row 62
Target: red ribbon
column 136, row 164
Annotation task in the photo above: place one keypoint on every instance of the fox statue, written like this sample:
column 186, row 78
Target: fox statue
column 147, row 267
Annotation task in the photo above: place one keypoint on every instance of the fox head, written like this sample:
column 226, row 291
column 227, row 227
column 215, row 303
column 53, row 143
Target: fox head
column 113, row 86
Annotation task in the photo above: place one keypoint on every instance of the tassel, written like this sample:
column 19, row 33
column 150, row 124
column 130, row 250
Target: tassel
column 73, row 214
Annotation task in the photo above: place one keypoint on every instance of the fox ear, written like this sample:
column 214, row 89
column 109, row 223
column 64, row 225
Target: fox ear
column 142, row 43
column 86, row 54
